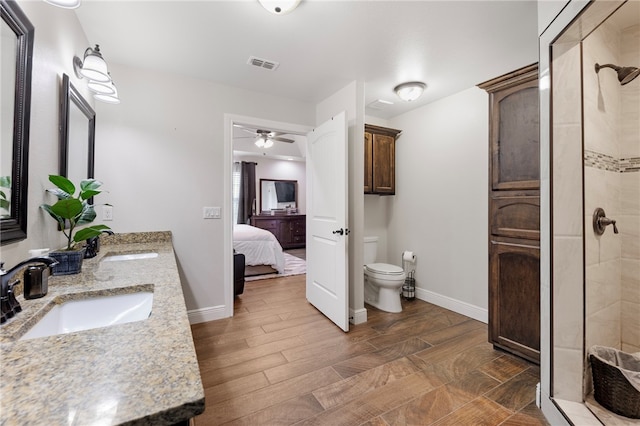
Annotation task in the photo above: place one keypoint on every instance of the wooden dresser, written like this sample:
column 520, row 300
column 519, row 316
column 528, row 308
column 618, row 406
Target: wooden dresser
column 290, row 230
column 514, row 212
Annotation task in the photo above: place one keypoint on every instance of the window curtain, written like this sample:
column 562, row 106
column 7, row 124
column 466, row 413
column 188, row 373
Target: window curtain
column 247, row 195
column 235, row 191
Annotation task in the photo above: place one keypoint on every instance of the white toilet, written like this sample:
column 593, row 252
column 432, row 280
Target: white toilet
column 382, row 282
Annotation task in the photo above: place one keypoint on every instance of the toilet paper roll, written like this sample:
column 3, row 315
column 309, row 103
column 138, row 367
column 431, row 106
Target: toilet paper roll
column 408, row 256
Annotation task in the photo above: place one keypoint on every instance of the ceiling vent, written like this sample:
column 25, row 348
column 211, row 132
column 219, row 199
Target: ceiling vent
column 379, row 104
column 263, row 63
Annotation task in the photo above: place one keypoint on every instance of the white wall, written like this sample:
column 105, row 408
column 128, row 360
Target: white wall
column 269, row 168
column 440, row 208
column 351, row 100
column 161, row 155
column 58, row 38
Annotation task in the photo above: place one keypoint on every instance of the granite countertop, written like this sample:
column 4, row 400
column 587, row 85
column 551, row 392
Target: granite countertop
column 143, row 372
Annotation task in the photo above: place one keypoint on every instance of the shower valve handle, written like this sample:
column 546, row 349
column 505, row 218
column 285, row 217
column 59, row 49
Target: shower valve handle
column 601, row 221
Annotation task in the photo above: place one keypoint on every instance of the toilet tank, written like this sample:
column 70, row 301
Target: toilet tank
column 370, row 249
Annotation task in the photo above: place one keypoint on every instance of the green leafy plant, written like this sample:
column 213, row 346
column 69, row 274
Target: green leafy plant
column 71, row 211
column 5, row 203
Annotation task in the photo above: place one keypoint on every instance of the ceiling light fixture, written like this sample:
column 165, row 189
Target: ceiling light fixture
column 279, row 7
column 264, row 142
column 410, row 91
column 65, row 4
column 94, row 69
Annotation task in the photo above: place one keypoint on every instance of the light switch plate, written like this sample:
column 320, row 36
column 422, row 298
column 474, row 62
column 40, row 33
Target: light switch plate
column 211, row 212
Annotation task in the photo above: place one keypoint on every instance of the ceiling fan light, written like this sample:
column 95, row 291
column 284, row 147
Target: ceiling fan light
column 268, row 143
column 260, row 142
column 279, row 7
column 410, row 91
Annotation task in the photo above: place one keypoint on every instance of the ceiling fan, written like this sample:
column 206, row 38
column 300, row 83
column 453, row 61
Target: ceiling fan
column 264, row 138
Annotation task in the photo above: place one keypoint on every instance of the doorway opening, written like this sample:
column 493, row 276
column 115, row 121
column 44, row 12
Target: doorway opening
column 277, row 153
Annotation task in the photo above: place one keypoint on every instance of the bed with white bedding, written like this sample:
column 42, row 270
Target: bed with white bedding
column 259, row 246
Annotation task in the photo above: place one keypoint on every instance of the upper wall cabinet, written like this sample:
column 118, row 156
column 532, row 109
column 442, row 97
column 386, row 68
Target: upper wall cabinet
column 380, row 160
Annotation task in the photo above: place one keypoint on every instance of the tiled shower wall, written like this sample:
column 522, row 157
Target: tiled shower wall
column 612, row 181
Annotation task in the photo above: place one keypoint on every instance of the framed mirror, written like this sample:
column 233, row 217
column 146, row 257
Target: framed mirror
column 77, row 134
column 278, row 195
column 16, row 55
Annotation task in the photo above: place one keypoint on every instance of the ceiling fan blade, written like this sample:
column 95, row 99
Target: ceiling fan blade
column 249, row 131
column 282, row 140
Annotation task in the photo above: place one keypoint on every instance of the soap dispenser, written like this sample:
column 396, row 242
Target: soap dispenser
column 36, row 281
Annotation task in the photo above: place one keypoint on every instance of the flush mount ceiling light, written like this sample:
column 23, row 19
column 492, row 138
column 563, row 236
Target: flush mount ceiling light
column 65, row 4
column 410, row 91
column 92, row 67
column 625, row 74
column 279, row 7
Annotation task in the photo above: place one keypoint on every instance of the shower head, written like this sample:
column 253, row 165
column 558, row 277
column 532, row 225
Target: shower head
column 625, row 74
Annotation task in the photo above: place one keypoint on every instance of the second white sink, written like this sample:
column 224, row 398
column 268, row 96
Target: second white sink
column 95, row 312
column 130, row 256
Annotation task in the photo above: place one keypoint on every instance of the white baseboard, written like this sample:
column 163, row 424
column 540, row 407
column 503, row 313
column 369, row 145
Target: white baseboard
column 454, row 305
column 357, row 316
column 206, row 314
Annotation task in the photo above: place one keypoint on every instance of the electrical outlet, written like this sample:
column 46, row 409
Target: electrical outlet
column 107, row 213
column 211, row 212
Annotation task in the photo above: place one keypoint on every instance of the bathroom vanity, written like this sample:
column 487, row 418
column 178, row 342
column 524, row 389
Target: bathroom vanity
column 142, row 372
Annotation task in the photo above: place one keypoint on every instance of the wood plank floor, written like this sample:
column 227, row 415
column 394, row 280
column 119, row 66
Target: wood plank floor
column 278, row 361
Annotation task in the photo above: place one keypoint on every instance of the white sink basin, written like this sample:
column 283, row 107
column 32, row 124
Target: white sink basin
column 95, row 312
column 132, row 256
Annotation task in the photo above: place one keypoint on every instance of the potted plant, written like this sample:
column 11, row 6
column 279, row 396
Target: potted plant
column 71, row 211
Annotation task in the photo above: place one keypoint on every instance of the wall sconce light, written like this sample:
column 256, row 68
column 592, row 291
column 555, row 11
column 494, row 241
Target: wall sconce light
column 94, row 68
column 65, row 4
column 410, row 91
column 279, row 7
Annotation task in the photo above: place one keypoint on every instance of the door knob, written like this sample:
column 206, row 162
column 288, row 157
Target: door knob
column 338, row 231
column 600, row 222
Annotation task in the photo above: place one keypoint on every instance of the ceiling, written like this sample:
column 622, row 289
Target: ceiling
column 322, row 45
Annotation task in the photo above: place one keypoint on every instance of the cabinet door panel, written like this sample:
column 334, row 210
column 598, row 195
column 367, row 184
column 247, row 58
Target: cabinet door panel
column 515, row 138
column 368, row 163
column 516, row 217
column 384, row 149
column 514, row 295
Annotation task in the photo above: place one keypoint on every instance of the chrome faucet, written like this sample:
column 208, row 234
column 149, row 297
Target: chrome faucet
column 9, row 305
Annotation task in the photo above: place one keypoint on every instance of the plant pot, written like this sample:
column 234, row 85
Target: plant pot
column 69, row 262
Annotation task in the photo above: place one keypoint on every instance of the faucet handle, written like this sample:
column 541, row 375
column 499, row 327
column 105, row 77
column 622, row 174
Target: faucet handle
column 14, row 305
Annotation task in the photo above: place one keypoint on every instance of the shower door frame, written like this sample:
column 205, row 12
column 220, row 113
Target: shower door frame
column 558, row 260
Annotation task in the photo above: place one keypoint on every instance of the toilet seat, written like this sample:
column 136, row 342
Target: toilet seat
column 384, row 269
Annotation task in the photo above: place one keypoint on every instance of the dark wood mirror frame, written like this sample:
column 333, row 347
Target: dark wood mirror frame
column 293, row 183
column 72, row 98
column 14, row 228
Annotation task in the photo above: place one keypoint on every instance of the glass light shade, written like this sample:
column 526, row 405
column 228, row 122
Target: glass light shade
column 410, row 91
column 101, row 88
column 279, row 7
column 94, row 67
column 268, row 143
column 110, row 99
column 260, row 142
column 65, row 4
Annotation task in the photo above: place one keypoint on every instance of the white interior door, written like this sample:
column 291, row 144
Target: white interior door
column 327, row 233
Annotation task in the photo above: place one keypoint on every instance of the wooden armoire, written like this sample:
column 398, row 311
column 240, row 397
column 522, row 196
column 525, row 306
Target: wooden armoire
column 514, row 212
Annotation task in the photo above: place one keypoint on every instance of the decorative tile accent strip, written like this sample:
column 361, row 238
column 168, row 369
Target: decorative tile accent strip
column 600, row 161
column 609, row 163
column 630, row 165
